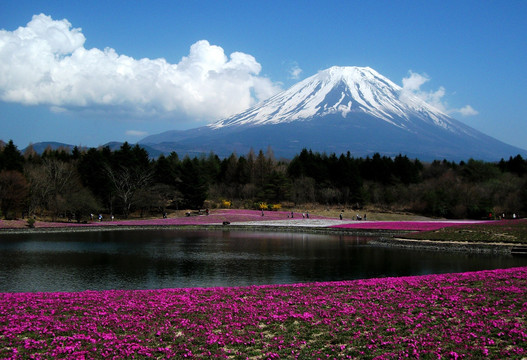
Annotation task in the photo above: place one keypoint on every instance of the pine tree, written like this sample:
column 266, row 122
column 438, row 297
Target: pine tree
column 193, row 184
column 11, row 158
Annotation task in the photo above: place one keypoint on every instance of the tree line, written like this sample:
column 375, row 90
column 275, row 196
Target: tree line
column 75, row 183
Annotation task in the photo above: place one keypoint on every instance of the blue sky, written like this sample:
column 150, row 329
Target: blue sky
column 87, row 73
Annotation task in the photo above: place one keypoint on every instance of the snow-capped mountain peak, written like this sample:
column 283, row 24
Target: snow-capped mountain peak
column 343, row 91
column 339, row 110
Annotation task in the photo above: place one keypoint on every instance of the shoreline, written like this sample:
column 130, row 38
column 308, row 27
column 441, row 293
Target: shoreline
column 208, row 227
column 444, row 245
column 386, row 237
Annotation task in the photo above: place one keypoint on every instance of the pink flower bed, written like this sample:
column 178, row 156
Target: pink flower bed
column 404, row 225
column 451, row 316
column 215, row 217
column 219, row 216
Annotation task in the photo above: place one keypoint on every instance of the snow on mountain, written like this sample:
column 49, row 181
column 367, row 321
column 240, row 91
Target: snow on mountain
column 340, row 109
column 344, row 91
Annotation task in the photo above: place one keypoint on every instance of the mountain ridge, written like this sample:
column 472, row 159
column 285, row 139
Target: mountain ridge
column 357, row 89
column 337, row 110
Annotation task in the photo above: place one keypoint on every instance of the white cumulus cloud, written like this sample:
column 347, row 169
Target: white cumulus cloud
column 46, row 62
column 412, row 84
column 467, row 111
column 294, row 72
column 414, row 81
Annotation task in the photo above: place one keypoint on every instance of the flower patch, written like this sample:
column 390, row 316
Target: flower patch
column 468, row 315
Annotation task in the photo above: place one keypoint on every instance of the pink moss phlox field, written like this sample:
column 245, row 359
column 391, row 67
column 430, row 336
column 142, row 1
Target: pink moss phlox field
column 215, row 217
column 450, row 316
column 404, row 225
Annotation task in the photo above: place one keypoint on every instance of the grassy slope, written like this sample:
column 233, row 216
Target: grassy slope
column 507, row 231
column 373, row 214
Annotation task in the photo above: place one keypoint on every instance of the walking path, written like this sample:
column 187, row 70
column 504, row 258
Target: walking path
column 237, row 217
column 292, row 222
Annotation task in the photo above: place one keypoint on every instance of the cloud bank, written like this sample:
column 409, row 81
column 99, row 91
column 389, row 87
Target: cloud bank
column 412, row 84
column 46, row 63
column 136, row 133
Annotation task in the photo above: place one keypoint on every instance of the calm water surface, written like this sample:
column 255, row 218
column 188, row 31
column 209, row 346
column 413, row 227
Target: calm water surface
column 148, row 259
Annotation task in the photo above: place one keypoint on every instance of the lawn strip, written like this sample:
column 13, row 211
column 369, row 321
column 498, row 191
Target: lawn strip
column 498, row 232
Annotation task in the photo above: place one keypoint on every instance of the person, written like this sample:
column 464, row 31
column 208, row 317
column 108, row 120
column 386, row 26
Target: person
column 262, row 213
column 340, row 216
column 292, row 216
column 307, row 215
column 100, row 217
column 364, row 216
column 113, row 217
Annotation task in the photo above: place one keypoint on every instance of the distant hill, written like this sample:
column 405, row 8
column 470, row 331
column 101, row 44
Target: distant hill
column 40, row 147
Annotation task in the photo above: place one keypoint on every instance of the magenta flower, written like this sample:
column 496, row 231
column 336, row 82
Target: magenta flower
column 467, row 315
column 216, row 217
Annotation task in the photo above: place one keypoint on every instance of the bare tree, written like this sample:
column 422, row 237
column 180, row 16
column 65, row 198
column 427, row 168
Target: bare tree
column 49, row 184
column 13, row 192
column 126, row 182
column 303, row 190
column 55, row 186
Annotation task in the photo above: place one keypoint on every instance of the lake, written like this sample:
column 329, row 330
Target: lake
column 155, row 259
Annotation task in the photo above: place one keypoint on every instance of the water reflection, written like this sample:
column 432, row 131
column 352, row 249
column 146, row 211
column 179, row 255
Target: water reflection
column 167, row 259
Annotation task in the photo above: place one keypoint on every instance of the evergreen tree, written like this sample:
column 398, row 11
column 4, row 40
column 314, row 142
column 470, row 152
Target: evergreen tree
column 378, row 169
column 405, row 170
column 251, row 159
column 75, row 153
column 211, row 167
column 11, row 158
column 478, row 171
column 349, row 180
column 261, row 170
column 243, row 171
column 515, row 165
column 91, row 167
column 193, row 184
column 229, row 170
column 166, row 169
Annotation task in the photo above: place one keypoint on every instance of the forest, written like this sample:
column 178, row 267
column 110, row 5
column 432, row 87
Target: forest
column 69, row 184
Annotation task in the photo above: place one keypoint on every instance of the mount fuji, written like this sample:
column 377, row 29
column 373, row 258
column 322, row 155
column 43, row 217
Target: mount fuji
column 340, row 109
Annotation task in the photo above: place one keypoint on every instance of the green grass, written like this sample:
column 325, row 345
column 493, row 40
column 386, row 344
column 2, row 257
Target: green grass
column 505, row 231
